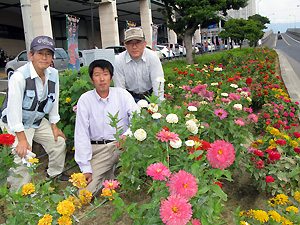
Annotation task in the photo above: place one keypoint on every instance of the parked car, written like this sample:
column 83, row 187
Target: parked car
column 81, row 60
column 117, row 49
column 60, row 61
column 159, row 54
column 164, row 50
column 174, row 47
column 200, row 47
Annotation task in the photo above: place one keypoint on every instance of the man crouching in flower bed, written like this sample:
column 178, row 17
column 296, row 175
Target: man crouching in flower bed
column 95, row 143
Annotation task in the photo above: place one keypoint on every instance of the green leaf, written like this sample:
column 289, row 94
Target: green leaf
column 56, row 198
column 128, row 209
column 116, row 215
column 219, row 192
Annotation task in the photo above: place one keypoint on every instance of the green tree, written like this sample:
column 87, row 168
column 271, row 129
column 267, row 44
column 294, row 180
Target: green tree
column 241, row 29
column 191, row 13
column 258, row 18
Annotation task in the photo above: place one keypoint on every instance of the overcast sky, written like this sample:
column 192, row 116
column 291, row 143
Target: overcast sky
column 282, row 13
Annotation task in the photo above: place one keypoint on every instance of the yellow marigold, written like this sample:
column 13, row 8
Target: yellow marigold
column 64, row 220
column 250, row 213
column 275, row 216
column 244, row 223
column 254, row 145
column 294, row 144
column 28, row 189
column 273, row 141
column 290, row 208
column 260, row 142
column 65, row 208
column 68, row 100
column 242, row 213
column 272, row 202
column 274, row 131
column 282, row 199
column 46, row 220
column 261, row 215
column 297, row 196
column 286, row 221
column 285, row 136
column 108, row 192
column 85, row 196
column 276, row 95
column 33, row 160
column 78, row 180
column 75, row 202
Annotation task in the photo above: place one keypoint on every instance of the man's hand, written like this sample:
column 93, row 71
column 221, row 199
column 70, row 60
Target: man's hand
column 88, row 177
column 23, row 144
column 121, row 142
column 57, row 132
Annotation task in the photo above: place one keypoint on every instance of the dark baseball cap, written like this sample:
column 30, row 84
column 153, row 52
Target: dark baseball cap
column 42, row 42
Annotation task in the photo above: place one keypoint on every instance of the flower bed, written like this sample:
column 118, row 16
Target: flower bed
column 217, row 118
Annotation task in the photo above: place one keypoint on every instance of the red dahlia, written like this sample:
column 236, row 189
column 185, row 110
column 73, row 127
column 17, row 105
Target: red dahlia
column 7, row 139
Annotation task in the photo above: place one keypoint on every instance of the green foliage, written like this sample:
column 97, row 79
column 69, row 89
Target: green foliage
column 262, row 19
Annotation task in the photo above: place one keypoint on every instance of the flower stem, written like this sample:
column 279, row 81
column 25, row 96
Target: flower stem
column 96, row 207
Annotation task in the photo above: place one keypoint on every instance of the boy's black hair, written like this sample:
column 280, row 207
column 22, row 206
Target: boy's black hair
column 101, row 63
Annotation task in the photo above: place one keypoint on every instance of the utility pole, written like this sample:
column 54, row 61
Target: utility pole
column 27, row 23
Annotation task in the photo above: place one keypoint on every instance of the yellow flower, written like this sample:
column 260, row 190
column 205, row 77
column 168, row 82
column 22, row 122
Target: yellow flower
column 286, row 221
column 108, row 192
column 73, row 149
column 28, row 189
column 297, row 196
column 85, row 196
column 68, row 100
column 253, row 145
column 65, row 208
column 273, row 142
column 274, row 215
column 64, row 220
column 46, row 220
column 244, row 223
column 170, row 85
column 260, row 142
column 285, row 136
column 75, row 202
column 33, row 160
column 78, row 180
column 290, row 208
column 294, row 144
column 281, row 199
column 242, row 213
column 261, row 215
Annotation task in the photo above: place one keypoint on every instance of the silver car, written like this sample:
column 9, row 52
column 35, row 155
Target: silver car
column 60, row 61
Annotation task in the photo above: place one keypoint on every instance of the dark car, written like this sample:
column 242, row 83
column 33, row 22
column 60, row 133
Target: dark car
column 279, row 36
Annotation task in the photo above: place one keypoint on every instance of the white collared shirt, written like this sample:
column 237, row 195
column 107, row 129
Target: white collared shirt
column 16, row 89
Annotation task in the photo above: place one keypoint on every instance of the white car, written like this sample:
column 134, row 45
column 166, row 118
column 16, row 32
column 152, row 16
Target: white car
column 158, row 53
column 60, row 61
column 164, row 50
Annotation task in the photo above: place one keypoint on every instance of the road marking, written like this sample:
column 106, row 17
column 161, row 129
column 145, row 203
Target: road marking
column 285, row 40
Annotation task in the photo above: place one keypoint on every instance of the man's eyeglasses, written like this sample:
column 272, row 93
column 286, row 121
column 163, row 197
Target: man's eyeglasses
column 136, row 43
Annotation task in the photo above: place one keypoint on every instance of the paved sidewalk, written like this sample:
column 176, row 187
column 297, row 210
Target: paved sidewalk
column 2, row 74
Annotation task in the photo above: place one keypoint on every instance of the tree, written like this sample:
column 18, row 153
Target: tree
column 191, row 13
column 241, row 29
column 258, row 18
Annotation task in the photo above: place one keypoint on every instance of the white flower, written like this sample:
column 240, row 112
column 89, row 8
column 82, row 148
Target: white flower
column 192, row 108
column 244, row 93
column 217, row 69
column 203, row 103
column 142, row 103
column 176, row 143
column 192, row 126
column 172, row 118
column 160, row 79
column 224, row 94
column 249, row 99
column 156, row 115
column 190, row 143
column 140, row 134
column 238, row 106
column 214, row 84
column 153, row 107
column 234, row 85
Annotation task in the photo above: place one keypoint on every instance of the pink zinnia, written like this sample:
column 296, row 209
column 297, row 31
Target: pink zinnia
column 159, row 171
column 253, row 118
column 221, row 113
column 221, row 154
column 110, row 184
column 183, row 183
column 167, row 136
column 239, row 122
column 175, row 210
column 195, row 222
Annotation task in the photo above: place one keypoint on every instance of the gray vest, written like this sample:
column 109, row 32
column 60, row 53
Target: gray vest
column 33, row 110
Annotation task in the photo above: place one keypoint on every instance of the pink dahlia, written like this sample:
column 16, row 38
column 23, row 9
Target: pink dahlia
column 159, row 171
column 183, row 183
column 221, row 113
column 110, row 184
column 167, row 136
column 221, row 154
column 175, row 210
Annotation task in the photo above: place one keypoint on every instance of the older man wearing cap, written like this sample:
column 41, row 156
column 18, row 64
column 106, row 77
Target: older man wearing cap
column 138, row 68
column 33, row 91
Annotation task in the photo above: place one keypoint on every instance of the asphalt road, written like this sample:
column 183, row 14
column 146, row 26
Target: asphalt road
column 3, row 81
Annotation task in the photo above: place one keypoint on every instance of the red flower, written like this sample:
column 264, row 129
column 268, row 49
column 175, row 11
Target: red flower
column 297, row 149
column 230, row 80
column 7, row 139
column 248, row 81
column 166, row 128
column 186, row 73
column 175, row 69
column 258, row 153
column 280, row 142
column 192, row 74
column 269, row 179
column 294, row 124
column 180, row 72
column 274, row 155
column 296, row 134
column 220, row 184
column 259, row 164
